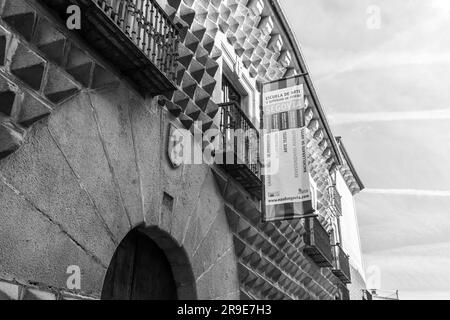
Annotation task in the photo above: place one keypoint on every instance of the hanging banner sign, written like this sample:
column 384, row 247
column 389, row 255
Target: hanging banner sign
column 287, row 193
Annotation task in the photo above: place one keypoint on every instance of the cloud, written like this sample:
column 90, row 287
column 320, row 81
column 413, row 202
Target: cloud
column 346, row 118
column 410, row 192
column 417, row 271
column 386, row 61
column 392, row 221
column 425, row 295
column 442, row 6
column 385, row 91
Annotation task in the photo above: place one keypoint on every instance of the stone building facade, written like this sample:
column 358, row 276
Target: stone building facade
column 348, row 185
column 86, row 181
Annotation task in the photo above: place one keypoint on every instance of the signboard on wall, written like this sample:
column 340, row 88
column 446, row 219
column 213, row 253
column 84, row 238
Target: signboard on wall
column 287, row 193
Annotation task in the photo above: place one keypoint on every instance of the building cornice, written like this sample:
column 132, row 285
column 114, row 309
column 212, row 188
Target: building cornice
column 348, row 166
column 278, row 11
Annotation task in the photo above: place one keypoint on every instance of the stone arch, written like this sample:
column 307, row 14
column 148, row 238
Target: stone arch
column 149, row 265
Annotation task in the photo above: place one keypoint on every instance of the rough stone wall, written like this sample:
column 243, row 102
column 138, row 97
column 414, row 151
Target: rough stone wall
column 318, row 168
column 96, row 168
column 271, row 261
column 93, row 170
column 250, row 34
column 14, row 290
column 260, row 49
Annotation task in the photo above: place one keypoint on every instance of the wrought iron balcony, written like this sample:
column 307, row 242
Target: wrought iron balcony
column 341, row 266
column 318, row 245
column 367, row 295
column 344, row 293
column 136, row 36
column 240, row 148
column 336, row 203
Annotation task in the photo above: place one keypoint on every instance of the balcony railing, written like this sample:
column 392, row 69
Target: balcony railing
column 240, row 147
column 148, row 26
column 136, row 36
column 336, row 203
column 344, row 293
column 367, row 295
column 341, row 266
column 318, row 246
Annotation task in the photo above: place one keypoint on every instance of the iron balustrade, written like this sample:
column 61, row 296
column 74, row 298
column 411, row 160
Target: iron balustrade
column 233, row 122
column 341, row 264
column 148, row 26
column 318, row 244
column 335, row 199
column 241, row 140
column 367, row 295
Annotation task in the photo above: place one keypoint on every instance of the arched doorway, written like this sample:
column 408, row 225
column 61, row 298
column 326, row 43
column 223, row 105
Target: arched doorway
column 142, row 269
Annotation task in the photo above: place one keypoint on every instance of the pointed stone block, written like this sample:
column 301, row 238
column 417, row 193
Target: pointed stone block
column 216, row 53
column 201, row 12
column 201, row 98
column 232, row 5
column 212, row 109
column 181, row 99
column 82, row 73
column 223, row 25
column 8, row 97
column 186, row 120
column 28, row 67
column 208, row 43
column 202, row 55
column 211, row 67
column 239, row 49
column 192, row 111
column 216, row 3
column 187, row 14
column 231, row 37
column 211, row 28
column 173, row 108
column 79, row 65
column 11, row 136
column 183, row 28
column 24, row 23
column 224, row 11
column 3, row 43
column 32, row 110
column 208, row 83
column 174, row 3
column 196, row 70
column 102, row 77
column 189, row 85
column 239, row 246
column 59, row 86
column 191, row 42
column 185, row 55
column 213, row 14
column 198, row 30
column 179, row 74
column 50, row 41
column 233, row 25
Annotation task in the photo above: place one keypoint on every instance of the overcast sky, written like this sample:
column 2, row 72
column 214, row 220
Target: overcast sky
column 386, row 90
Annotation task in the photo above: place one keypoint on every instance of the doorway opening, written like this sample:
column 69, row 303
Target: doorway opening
column 148, row 265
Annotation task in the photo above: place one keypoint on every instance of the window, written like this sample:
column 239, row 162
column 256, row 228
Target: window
column 313, row 189
column 229, row 92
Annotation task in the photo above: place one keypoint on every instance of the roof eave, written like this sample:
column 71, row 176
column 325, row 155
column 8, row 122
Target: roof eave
column 350, row 163
column 304, row 69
